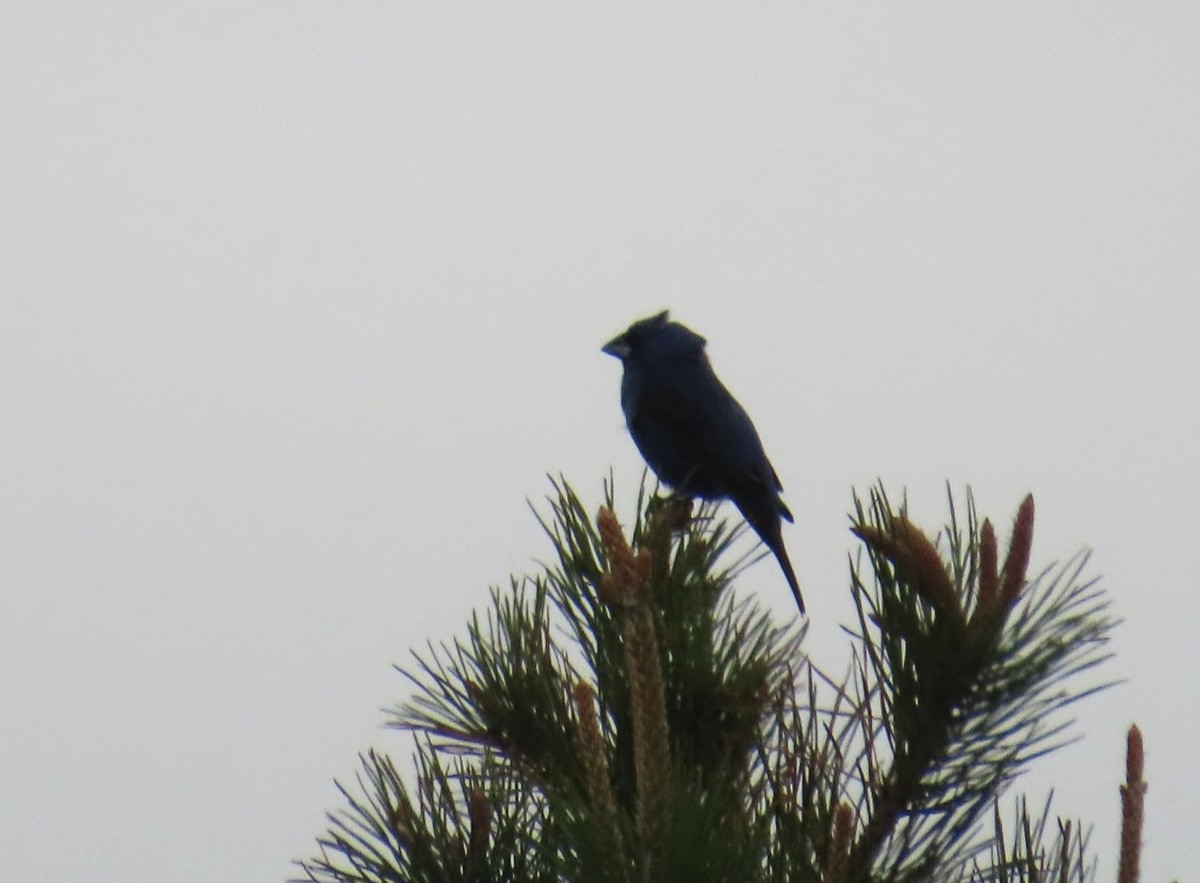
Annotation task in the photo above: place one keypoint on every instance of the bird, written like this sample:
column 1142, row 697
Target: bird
column 692, row 432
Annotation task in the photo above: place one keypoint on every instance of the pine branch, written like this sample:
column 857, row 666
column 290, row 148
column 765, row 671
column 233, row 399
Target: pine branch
column 506, row 688
column 623, row 716
column 468, row 823
column 972, row 665
column 1039, row 849
column 1133, row 795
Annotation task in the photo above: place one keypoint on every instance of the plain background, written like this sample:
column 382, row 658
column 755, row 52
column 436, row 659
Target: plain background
column 300, row 302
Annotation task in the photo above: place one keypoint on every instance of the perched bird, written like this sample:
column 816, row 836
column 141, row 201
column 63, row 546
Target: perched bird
column 693, row 433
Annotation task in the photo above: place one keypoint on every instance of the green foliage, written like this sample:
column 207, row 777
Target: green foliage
column 964, row 696
column 624, row 715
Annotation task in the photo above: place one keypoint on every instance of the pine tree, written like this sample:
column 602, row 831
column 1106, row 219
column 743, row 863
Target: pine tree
column 626, row 715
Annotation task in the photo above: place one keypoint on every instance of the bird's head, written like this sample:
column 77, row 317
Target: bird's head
column 654, row 337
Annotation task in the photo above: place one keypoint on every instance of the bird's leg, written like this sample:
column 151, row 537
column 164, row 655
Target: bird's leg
column 675, row 510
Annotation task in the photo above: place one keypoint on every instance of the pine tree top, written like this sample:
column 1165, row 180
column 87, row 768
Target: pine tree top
column 625, row 714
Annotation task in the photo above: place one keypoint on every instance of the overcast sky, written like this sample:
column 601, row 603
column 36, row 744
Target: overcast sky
column 300, row 302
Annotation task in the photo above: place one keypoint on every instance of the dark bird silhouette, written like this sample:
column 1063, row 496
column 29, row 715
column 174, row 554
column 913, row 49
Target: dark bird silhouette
column 693, row 433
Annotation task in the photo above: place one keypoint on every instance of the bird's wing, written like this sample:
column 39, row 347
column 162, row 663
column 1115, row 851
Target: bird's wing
column 758, row 488
column 774, row 476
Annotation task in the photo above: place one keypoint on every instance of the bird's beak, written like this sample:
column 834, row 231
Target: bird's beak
column 618, row 347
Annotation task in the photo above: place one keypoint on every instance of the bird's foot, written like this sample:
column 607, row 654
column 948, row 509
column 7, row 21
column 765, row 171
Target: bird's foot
column 675, row 511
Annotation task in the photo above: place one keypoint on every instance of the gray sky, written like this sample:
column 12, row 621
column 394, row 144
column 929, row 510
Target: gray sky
column 300, row 301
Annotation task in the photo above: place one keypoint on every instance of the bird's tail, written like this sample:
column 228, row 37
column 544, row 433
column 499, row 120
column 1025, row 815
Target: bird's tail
column 786, row 564
column 771, row 532
column 763, row 514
